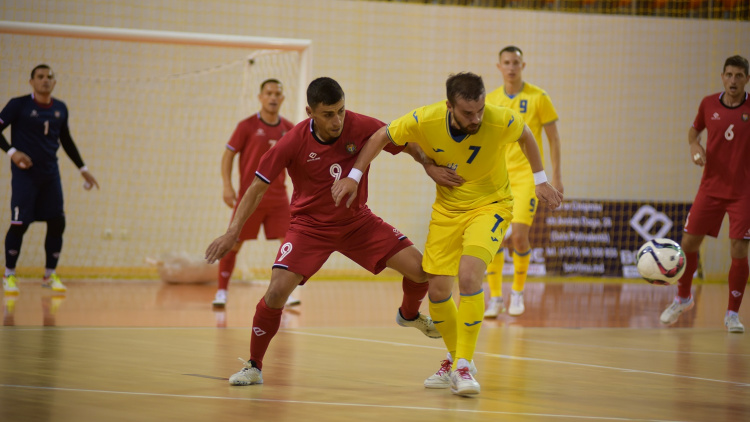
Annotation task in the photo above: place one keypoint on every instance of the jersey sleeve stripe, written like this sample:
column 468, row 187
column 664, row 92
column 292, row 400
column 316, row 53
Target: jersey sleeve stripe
column 231, row 148
column 262, row 177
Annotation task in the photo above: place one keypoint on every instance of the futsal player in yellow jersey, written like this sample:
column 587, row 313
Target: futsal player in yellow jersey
column 538, row 112
column 469, row 219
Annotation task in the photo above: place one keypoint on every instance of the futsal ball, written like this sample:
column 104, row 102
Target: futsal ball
column 661, row 261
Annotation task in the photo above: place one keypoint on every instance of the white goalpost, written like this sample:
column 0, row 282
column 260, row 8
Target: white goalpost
column 150, row 112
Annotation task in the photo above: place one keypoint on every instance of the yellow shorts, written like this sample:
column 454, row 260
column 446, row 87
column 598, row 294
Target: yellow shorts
column 477, row 233
column 524, row 196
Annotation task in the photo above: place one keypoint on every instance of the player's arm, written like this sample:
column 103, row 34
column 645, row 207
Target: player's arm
column 348, row 185
column 19, row 158
column 227, row 161
column 245, row 209
column 72, row 151
column 697, row 153
column 544, row 191
column 443, row 176
column 553, row 138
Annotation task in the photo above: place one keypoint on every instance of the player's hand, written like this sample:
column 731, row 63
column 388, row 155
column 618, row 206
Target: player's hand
column 547, row 193
column 90, row 181
column 219, row 247
column 697, row 153
column 557, row 183
column 21, row 160
column 444, row 176
column 230, row 196
column 343, row 187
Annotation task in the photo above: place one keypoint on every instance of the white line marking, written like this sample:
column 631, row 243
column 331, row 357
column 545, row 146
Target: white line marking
column 322, row 403
column 630, row 348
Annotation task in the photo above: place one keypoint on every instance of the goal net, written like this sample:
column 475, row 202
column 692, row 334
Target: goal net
column 151, row 113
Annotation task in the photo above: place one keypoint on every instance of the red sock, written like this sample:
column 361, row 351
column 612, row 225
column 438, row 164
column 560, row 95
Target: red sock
column 226, row 267
column 686, row 281
column 266, row 323
column 413, row 295
column 738, row 274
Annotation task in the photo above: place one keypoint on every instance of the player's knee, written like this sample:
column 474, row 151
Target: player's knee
column 17, row 229
column 56, row 226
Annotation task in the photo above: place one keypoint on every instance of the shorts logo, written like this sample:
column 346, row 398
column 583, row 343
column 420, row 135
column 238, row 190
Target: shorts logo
column 715, row 116
column 351, row 148
column 258, row 332
column 745, row 117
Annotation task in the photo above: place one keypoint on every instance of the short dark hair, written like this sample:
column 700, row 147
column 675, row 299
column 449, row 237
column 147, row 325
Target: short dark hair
column 39, row 66
column 736, row 61
column 324, row 91
column 270, row 81
column 466, row 85
column 510, row 49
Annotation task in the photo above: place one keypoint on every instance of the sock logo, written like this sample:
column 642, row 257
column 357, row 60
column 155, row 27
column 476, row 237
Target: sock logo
column 12, row 252
column 258, row 332
column 225, row 274
column 470, row 324
column 736, row 293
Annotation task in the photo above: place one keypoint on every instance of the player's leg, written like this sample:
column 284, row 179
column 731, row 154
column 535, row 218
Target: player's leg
column 704, row 218
column 524, row 208
column 266, row 323
column 22, row 204
column 304, row 251
column 739, row 235
column 226, row 268
column 496, row 306
column 408, row 262
column 49, row 208
column 521, row 258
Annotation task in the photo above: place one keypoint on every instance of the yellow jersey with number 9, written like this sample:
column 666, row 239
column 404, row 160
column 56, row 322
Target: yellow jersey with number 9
column 478, row 158
column 537, row 110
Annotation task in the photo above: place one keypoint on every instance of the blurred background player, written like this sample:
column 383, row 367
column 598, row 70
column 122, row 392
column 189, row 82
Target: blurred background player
column 724, row 189
column 538, row 112
column 39, row 125
column 316, row 153
column 468, row 221
column 252, row 138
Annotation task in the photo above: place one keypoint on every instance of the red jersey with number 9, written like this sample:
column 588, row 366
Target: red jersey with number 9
column 727, row 170
column 314, row 166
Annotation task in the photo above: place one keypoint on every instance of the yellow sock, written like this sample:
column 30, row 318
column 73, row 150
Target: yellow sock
column 470, row 316
column 495, row 275
column 444, row 316
column 520, row 269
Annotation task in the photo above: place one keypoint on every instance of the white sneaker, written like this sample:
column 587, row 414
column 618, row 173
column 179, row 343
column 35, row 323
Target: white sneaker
column 220, row 300
column 733, row 324
column 247, row 376
column 673, row 311
column 463, row 382
column 516, row 307
column 442, row 378
column 292, row 301
column 422, row 323
column 495, row 307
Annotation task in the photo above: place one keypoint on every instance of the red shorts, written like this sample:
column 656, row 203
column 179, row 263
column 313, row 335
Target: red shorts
column 707, row 214
column 369, row 241
column 273, row 217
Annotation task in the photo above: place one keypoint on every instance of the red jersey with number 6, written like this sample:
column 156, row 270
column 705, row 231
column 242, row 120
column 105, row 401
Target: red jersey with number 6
column 251, row 139
column 314, row 165
column 727, row 170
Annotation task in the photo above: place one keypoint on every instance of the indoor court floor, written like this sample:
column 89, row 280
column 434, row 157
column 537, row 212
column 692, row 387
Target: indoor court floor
column 124, row 350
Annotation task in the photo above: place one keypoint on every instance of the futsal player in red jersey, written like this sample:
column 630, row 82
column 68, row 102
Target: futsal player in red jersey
column 724, row 188
column 316, row 153
column 252, row 138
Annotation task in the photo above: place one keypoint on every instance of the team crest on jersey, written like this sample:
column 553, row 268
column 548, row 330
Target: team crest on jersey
column 745, row 117
column 351, row 148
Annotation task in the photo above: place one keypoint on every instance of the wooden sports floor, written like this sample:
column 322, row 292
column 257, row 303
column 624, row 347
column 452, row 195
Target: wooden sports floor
column 123, row 350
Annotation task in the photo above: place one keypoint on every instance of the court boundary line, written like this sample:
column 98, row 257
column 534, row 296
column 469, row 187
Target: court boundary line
column 322, row 403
